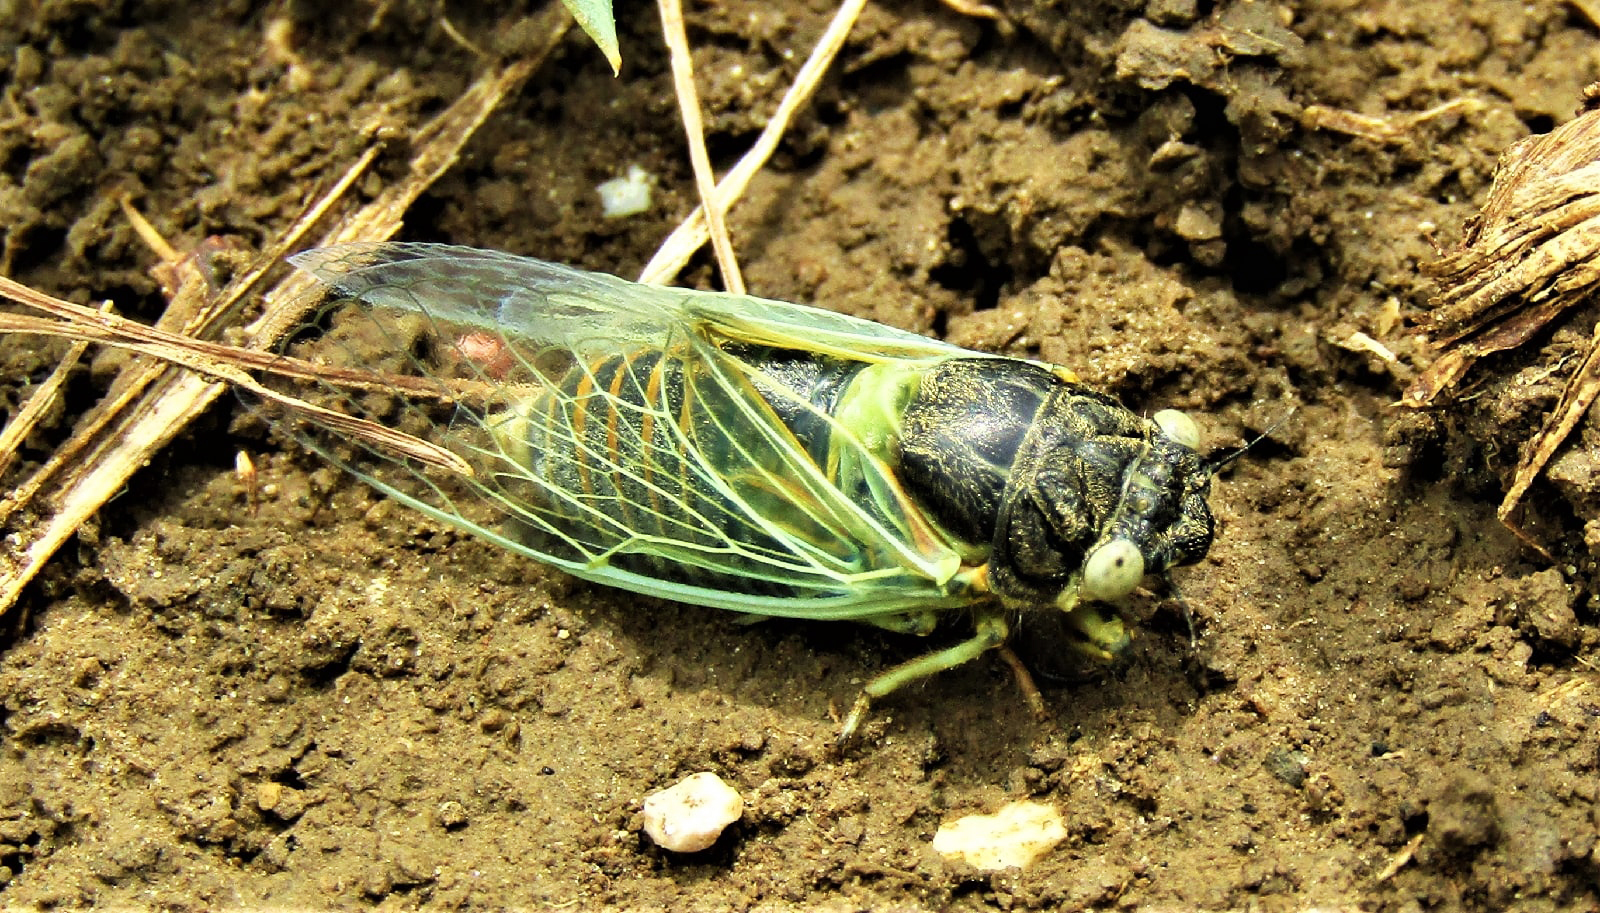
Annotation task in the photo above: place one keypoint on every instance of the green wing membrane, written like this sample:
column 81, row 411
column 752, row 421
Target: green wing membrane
column 619, row 432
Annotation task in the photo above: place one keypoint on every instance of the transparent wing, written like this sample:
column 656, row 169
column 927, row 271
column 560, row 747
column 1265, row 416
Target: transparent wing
column 620, row 432
column 589, row 313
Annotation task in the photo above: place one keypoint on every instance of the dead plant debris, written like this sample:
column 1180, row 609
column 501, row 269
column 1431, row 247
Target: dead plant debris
column 1530, row 255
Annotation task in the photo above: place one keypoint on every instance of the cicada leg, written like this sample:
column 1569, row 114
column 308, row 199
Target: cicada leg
column 1101, row 633
column 918, row 623
column 991, row 632
column 1025, row 683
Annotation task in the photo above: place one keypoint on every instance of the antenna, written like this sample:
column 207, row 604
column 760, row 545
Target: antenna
column 1215, row 462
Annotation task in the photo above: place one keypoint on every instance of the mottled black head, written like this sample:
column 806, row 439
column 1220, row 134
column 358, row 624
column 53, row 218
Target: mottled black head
column 1161, row 519
column 1098, row 499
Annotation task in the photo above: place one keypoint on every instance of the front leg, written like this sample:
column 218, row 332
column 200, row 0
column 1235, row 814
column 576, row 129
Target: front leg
column 991, row 632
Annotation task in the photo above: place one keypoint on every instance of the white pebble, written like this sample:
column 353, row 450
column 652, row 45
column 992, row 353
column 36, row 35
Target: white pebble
column 691, row 814
column 1014, row 837
column 625, row 196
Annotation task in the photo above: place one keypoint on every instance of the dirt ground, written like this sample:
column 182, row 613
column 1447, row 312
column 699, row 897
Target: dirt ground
column 330, row 701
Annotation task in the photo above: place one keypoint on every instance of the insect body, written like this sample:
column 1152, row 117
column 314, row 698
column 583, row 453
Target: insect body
column 770, row 458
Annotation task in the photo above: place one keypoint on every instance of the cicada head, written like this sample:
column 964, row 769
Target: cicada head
column 1160, row 519
column 1115, row 499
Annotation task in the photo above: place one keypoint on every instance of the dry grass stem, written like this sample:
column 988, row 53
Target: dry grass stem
column 1590, row 9
column 676, row 250
column 152, row 403
column 1394, row 128
column 705, row 181
column 116, row 421
column 974, row 9
column 1576, row 398
column 23, row 422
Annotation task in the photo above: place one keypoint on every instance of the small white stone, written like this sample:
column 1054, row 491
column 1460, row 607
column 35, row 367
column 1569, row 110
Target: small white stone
column 1014, row 837
column 691, row 814
column 625, row 196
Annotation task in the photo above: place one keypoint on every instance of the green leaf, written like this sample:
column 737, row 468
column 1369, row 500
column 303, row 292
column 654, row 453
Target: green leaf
column 595, row 18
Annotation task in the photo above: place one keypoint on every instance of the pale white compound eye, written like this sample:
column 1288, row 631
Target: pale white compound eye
column 1178, row 427
column 1113, row 570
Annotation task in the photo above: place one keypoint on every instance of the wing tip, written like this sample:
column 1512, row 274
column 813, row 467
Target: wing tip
column 340, row 260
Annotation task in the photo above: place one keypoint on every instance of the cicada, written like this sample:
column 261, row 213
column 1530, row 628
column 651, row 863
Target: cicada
column 759, row 456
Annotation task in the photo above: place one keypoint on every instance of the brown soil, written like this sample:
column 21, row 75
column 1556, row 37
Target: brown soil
column 331, row 701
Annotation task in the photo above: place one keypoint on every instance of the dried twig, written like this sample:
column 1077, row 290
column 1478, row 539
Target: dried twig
column 1589, row 8
column 27, row 418
column 1394, row 128
column 95, row 462
column 1531, row 254
column 693, row 232
column 153, row 402
column 229, row 365
column 975, row 9
column 1579, row 394
column 705, row 181
column 1401, row 859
